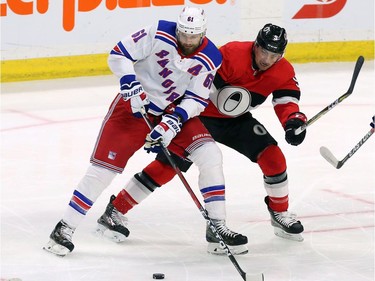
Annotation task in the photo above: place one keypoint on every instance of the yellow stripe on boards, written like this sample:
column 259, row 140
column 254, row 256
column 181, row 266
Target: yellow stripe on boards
column 54, row 67
column 90, row 65
column 329, row 51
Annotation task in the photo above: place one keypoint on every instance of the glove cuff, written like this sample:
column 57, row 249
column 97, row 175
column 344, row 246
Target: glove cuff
column 130, row 87
column 181, row 114
column 175, row 117
column 172, row 122
column 298, row 115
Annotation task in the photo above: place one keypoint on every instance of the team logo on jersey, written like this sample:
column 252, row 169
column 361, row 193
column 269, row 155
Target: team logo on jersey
column 232, row 101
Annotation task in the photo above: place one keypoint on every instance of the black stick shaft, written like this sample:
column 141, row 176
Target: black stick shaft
column 197, row 202
column 357, row 69
column 355, row 148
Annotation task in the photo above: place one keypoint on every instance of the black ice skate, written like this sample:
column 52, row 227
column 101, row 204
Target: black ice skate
column 60, row 239
column 285, row 224
column 112, row 224
column 235, row 241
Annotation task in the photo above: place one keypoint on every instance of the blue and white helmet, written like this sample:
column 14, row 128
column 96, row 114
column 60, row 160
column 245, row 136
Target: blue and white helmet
column 192, row 20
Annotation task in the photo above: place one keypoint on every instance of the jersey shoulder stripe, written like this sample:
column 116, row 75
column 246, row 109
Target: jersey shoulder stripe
column 167, row 38
column 205, row 60
column 166, row 31
column 120, row 50
column 210, row 56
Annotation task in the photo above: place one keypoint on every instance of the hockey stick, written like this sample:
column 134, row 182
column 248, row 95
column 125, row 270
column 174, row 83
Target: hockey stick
column 327, row 154
column 357, row 69
column 257, row 277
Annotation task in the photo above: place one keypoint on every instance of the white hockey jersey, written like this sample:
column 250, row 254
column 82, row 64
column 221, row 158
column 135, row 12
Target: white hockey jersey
column 166, row 75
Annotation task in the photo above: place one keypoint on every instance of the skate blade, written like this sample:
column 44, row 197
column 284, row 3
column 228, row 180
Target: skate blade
column 290, row 236
column 216, row 249
column 56, row 249
column 114, row 236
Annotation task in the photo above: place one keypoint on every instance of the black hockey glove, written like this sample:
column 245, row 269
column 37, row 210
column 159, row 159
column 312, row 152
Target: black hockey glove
column 295, row 120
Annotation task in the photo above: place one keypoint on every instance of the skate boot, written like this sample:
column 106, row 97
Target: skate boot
column 112, row 224
column 60, row 239
column 285, row 224
column 235, row 241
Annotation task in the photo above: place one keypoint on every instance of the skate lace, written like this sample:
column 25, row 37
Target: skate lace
column 118, row 218
column 224, row 230
column 67, row 231
column 285, row 218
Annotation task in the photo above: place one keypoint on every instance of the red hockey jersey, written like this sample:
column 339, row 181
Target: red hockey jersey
column 279, row 80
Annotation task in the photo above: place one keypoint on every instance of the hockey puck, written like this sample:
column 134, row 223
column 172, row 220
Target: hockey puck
column 158, row 276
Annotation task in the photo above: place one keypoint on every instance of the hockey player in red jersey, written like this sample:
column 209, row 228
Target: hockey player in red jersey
column 250, row 72
column 156, row 66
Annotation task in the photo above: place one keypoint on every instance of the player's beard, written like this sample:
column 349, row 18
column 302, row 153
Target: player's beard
column 188, row 49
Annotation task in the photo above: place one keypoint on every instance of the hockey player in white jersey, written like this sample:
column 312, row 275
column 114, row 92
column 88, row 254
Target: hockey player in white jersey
column 167, row 68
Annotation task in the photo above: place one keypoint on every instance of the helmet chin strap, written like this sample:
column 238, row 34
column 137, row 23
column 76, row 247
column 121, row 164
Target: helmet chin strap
column 202, row 37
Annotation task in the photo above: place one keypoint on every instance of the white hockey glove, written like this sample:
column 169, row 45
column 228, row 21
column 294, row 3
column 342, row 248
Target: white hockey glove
column 132, row 90
column 165, row 131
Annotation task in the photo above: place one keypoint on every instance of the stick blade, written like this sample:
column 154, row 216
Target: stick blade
column 357, row 69
column 254, row 277
column 327, row 154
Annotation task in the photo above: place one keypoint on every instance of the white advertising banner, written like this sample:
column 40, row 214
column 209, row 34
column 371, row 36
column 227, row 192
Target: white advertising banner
column 43, row 28
column 329, row 20
column 54, row 28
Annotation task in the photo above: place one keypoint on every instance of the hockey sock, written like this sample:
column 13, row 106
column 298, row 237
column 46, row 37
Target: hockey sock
column 273, row 165
column 159, row 172
column 88, row 190
column 137, row 189
column 279, row 204
column 208, row 159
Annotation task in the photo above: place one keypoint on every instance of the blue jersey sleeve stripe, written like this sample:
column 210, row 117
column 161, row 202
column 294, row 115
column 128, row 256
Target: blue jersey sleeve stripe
column 195, row 97
column 123, row 52
column 182, row 113
column 154, row 108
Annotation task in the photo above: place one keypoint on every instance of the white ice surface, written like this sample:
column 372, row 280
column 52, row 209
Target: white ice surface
column 48, row 129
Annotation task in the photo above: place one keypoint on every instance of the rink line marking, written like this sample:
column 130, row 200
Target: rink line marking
column 345, row 195
column 32, row 116
column 321, row 215
column 337, row 214
column 339, row 229
column 49, row 123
